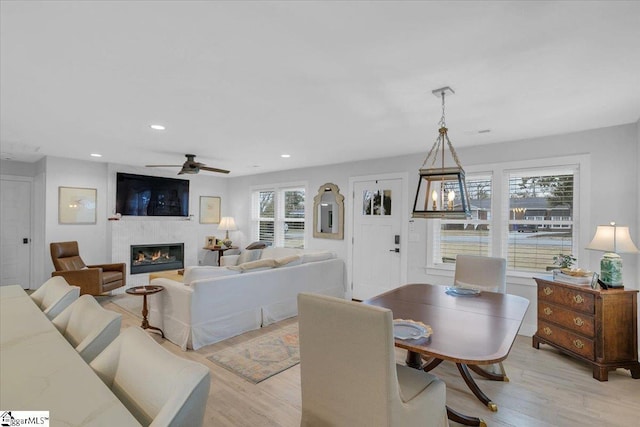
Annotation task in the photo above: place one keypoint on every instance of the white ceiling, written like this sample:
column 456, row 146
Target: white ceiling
column 239, row 83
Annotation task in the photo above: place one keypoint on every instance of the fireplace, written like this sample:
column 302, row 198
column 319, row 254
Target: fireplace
column 156, row 257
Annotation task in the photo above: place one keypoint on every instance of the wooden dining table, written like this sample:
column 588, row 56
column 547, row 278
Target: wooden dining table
column 470, row 330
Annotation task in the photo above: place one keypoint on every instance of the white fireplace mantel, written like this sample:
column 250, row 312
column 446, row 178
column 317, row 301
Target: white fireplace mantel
column 140, row 231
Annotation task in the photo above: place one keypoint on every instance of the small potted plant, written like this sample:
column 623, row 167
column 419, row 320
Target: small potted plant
column 564, row 261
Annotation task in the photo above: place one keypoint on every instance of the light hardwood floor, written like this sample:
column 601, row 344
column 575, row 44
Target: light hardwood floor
column 546, row 389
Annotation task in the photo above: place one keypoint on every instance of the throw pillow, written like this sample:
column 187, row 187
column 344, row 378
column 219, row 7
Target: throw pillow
column 249, row 255
column 254, row 265
column 200, row 272
column 317, row 256
column 257, row 245
column 289, row 261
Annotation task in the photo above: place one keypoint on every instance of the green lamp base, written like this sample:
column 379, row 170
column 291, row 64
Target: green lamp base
column 611, row 270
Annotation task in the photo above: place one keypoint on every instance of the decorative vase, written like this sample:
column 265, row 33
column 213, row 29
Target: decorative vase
column 611, row 269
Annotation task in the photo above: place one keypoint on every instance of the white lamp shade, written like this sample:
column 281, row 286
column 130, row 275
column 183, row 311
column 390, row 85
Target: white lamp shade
column 227, row 223
column 613, row 238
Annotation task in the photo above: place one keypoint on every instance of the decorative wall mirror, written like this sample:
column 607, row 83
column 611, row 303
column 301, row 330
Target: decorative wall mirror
column 328, row 213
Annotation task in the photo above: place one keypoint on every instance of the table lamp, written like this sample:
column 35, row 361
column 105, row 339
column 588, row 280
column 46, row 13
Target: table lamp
column 227, row 223
column 612, row 239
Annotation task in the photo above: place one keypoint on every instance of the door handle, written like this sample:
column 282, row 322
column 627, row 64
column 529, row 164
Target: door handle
column 396, row 250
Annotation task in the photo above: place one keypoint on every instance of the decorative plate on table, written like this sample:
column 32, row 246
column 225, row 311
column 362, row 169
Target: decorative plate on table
column 410, row 329
column 458, row 291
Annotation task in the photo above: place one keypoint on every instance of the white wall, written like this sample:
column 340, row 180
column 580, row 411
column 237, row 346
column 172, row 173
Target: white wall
column 612, row 184
column 637, row 180
column 95, row 240
column 614, row 155
column 92, row 238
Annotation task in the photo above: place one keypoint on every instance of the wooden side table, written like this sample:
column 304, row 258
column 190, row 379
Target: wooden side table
column 144, row 291
column 219, row 249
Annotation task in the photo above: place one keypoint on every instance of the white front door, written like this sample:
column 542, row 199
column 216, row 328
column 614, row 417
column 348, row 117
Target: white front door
column 15, row 232
column 377, row 223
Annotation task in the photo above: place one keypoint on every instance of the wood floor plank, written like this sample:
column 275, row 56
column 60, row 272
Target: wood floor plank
column 546, row 388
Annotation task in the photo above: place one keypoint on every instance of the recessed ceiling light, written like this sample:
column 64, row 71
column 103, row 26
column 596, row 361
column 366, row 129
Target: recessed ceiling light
column 285, row 156
column 96, row 155
column 157, row 127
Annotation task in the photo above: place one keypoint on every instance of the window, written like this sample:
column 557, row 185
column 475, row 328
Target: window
column 279, row 215
column 470, row 236
column 540, row 222
column 526, row 214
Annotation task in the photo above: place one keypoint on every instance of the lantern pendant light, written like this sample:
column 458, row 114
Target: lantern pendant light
column 442, row 191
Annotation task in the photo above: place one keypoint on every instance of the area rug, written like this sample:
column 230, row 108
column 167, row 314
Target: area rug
column 130, row 303
column 261, row 357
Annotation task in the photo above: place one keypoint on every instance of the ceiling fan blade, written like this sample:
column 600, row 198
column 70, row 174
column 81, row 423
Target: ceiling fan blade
column 163, row 166
column 207, row 168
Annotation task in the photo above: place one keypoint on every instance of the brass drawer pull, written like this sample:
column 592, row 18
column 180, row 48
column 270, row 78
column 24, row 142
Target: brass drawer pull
column 547, row 330
column 547, row 290
column 578, row 299
column 578, row 343
column 547, row 311
column 578, row 321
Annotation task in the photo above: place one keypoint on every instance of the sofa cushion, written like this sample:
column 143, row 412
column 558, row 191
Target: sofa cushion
column 249, row 255
column 289, row 261
column 199, row 272
column 261, row 264
column 279, row 252
column 317, row 256
column 227, row 260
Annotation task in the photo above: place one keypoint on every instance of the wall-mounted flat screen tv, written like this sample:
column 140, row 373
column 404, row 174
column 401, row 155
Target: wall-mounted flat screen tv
column 142, row 195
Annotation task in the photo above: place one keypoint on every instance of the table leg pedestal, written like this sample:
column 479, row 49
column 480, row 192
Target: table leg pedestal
column 466, row 376
column 414, row 360
column 457, row 417
column 489, row 375
column 145, row 322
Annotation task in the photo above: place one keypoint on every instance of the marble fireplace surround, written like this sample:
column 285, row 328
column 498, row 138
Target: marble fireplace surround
column 141, row 231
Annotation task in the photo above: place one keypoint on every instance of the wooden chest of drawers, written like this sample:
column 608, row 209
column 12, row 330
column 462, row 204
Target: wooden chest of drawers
column 597, row 326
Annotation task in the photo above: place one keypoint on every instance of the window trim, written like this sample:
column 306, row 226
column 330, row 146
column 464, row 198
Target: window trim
column 500, row 210
column 279, row 219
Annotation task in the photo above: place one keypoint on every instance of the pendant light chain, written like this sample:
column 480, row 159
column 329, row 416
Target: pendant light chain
column 442, row 121
column 442, row 135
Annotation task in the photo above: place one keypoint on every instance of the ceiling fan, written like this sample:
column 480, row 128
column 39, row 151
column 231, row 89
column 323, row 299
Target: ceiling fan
column 190, row 166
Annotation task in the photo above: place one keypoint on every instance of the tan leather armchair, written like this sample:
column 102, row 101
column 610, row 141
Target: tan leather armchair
column 92, row 279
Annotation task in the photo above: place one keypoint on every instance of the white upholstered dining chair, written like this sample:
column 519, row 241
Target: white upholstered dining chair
column 87, row 326
column 55, row 295
column 487, row 274
column 349, row 374
column 158, row 387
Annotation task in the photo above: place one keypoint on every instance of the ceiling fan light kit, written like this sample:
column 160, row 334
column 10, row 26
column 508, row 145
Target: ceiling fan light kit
column 190, row 166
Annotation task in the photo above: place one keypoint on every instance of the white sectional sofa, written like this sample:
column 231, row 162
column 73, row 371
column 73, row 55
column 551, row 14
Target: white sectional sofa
column 215, row 303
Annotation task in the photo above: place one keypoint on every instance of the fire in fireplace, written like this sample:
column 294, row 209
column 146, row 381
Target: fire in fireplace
column 156, row 257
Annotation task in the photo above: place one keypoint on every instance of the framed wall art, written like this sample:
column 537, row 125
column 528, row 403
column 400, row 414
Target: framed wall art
column 209, row 210
column 77, row 205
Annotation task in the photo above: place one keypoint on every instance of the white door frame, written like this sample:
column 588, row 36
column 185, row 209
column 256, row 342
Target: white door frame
column 404, row 225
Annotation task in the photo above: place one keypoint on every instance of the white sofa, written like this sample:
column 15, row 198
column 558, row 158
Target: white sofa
column 216, row 303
